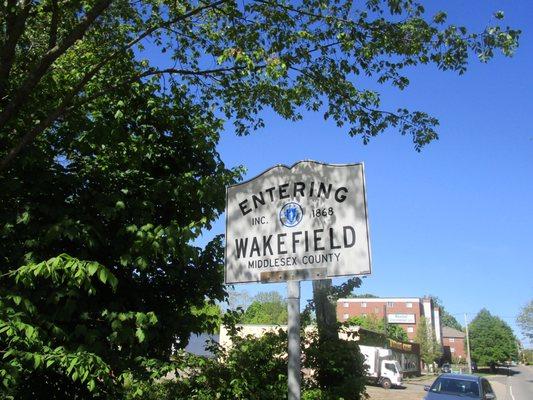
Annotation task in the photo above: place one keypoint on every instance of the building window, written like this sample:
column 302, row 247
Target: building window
column 452, row 349
column 345, row 305
column 452, row 340
column 409, row 305
column 363, row 305
column 410, row 329
column 346, row 316
column 390, row 304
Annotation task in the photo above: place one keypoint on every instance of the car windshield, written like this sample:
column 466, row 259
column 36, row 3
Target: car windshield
column 463, row 388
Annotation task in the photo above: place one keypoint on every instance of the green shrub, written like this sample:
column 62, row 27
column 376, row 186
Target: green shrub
column 256, row 369
column 338, row 368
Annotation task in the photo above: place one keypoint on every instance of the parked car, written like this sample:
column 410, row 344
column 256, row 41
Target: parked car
column 459, row 387
column 446, row 368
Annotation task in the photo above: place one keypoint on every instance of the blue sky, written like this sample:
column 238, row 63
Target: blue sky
column 456, row 220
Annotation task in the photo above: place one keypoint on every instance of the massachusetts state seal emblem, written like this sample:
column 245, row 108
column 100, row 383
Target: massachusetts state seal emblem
column 291, row 214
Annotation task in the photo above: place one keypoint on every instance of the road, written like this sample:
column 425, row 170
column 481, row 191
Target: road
column 409, row 391
column 517, row 385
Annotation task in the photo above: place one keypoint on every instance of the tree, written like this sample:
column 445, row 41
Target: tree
column 237, row 300
column 362, row 296
column 235, row 57
column 373, row 323
column 397, row 332
column 446, row 318
column 209, row 312
column 256, row 368
column 266, row 308
column 430, row 349
column 108, row 165
column 370, row 322
column 450, row 321
column 100, row 277
column 525, row 320
column 527, row 356
column 491, row 340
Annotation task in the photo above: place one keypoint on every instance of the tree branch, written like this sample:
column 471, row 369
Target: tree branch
column 54, row 21
column 171, row 71
column 15, row 25
column 63, row 108
column 46, row 61
column 318, row 17
column 59, row 111
column 200, row 72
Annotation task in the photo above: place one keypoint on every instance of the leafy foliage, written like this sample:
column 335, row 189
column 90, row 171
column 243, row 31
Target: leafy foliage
column 362, row 296
column 449, row 320
column 376, row 324
column 212, row 315
column 525, row 320
column 253, row 368
column 338, row 368
column 527, row 356
column 430, row 350
column 446, row 318
column 491, row 339
column 266, row 308
column 256, row 368
column 109, row 169
column 336, row 364
column 235, row 57
column 99, row 275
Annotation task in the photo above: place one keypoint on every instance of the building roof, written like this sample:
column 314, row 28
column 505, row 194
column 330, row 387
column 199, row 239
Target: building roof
column 450, row 332
column 379, row 300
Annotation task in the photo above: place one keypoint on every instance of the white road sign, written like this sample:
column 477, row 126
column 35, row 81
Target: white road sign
column 294, row 221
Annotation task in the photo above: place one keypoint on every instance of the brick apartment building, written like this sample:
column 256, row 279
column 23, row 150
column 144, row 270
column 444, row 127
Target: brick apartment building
column 453, row 343
column 405, row 312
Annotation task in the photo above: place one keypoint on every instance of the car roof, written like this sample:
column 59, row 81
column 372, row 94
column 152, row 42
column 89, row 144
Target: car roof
column 464, row 377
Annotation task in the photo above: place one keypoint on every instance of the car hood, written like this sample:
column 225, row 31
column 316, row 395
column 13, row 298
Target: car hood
column 444, row 396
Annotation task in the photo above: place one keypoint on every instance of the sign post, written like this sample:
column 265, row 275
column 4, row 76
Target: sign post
column 293, row 308
column 289, row 224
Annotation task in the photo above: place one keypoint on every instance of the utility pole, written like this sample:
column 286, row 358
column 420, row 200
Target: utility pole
column 385, row 320
column 468, row 348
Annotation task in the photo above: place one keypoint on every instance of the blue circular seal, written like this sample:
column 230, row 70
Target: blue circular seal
column 291, row 214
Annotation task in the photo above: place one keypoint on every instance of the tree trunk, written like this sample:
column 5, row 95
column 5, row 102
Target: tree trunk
column 326, row 318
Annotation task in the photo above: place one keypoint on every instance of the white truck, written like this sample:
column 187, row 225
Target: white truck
column 383, row 369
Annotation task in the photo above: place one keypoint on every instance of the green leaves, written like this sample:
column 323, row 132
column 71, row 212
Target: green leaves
column 491, row 339
column 65, row 270
column 525, row 320
column 267, row 308
column 289, row 57
column 430, row 349
column 120, row 172
column 440, row 17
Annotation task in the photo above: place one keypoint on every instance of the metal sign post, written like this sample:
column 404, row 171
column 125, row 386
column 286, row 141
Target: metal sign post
column 293, row 308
